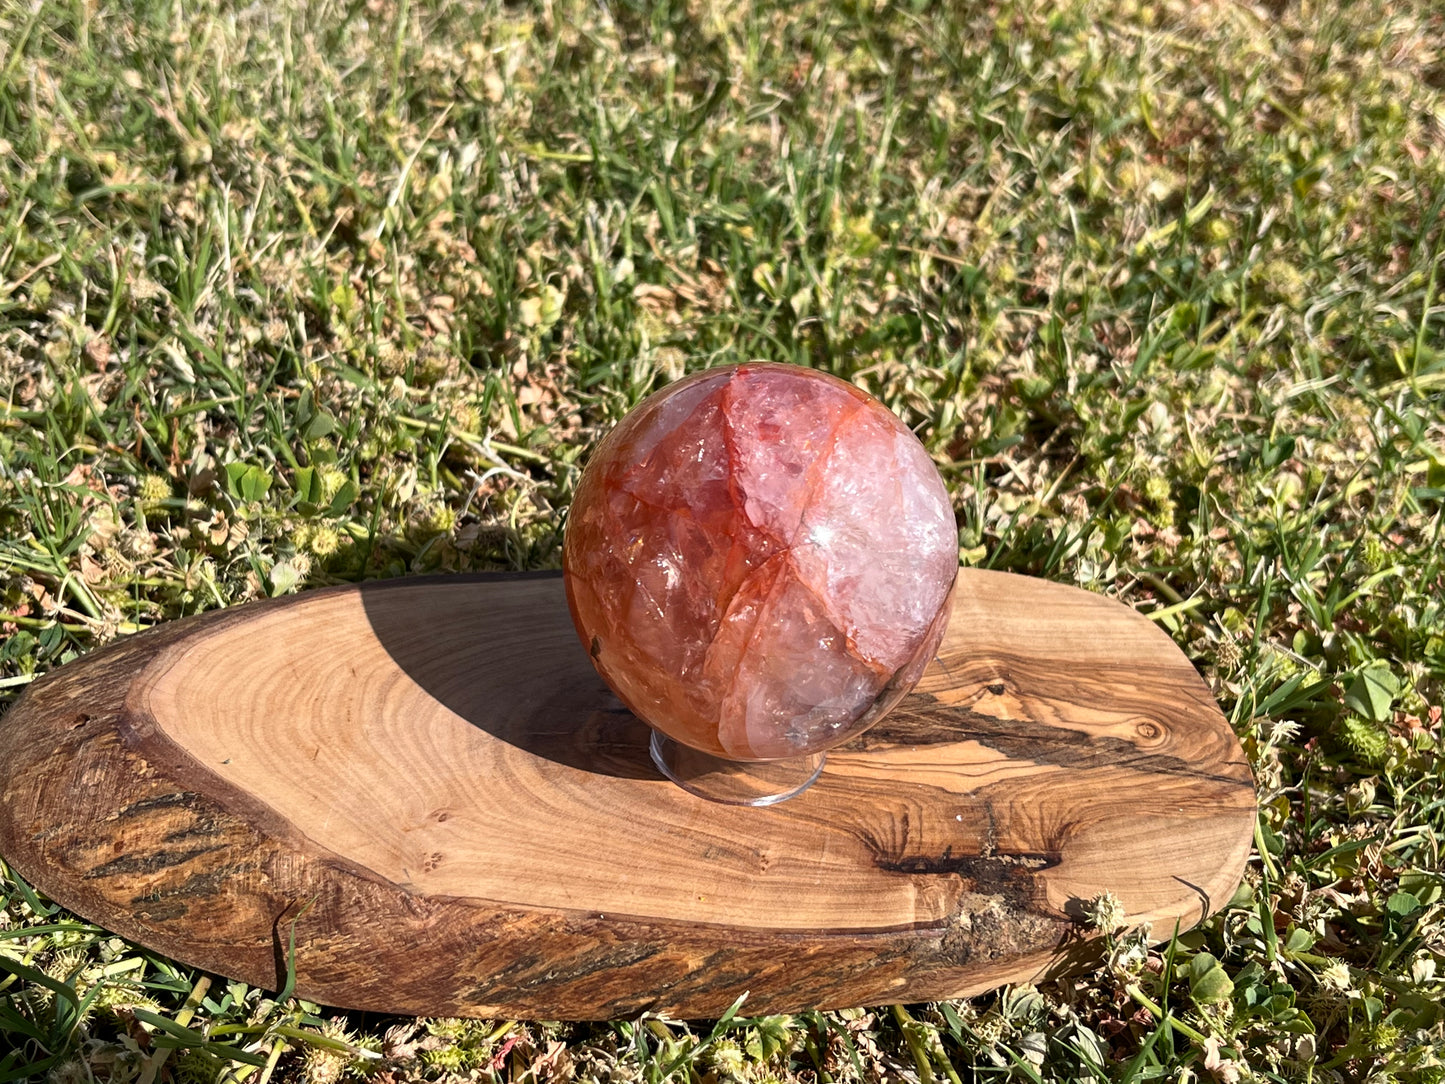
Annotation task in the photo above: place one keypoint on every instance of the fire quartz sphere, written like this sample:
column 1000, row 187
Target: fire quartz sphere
column 760, row 560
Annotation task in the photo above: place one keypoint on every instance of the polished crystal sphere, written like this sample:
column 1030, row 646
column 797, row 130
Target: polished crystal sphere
column 760, row 560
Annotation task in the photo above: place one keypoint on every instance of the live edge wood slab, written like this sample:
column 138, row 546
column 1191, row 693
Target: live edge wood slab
column 427, row 778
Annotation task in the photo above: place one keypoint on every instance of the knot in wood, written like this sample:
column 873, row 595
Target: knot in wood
column 1150, row 731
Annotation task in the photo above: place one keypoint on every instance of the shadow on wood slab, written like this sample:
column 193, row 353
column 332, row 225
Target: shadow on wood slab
column 482, row 663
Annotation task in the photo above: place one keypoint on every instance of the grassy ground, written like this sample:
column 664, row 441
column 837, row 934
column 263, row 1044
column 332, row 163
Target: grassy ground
column 295, row 293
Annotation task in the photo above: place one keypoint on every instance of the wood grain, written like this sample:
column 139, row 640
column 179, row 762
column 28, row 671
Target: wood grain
column 429, row 779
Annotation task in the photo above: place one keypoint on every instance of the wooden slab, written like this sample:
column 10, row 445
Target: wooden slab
column 430, row 780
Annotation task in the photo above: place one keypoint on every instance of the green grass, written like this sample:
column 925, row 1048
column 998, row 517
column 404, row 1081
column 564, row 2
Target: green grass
column 297, row 293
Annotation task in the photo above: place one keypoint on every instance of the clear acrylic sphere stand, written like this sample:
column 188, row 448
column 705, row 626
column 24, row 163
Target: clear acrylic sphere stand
column 734, row 782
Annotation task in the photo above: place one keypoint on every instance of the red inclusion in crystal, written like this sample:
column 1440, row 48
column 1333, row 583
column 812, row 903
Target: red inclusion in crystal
column 760, row 560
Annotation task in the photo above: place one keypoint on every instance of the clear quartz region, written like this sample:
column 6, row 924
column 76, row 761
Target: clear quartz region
column 759, row 559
